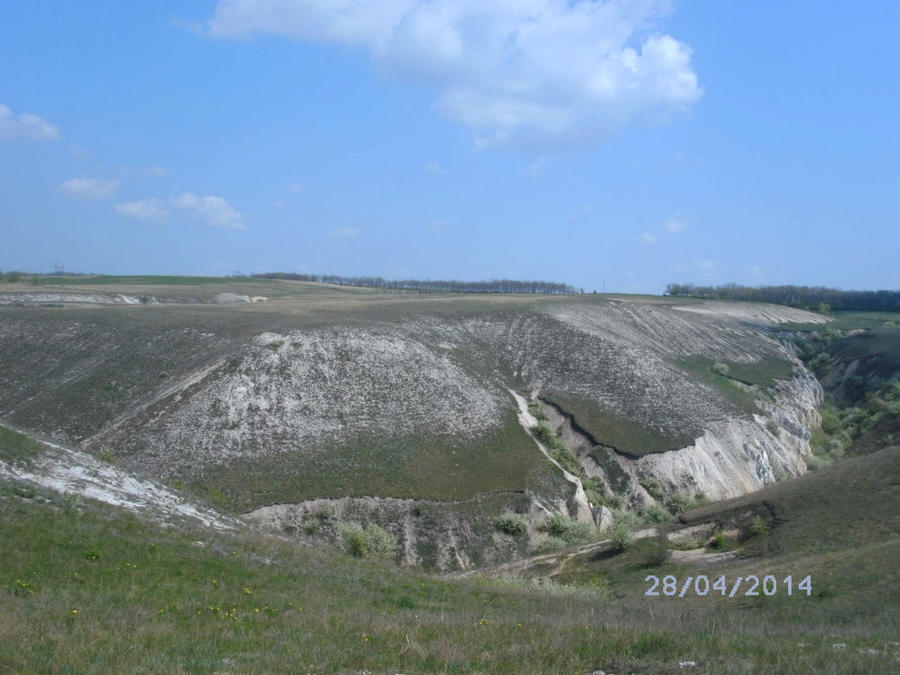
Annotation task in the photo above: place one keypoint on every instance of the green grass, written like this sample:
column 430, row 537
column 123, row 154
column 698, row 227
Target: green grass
column 17, row 448
column 840, row 525
column 761, row 374
column 626, row 436
column 501, row 460
column 88, row 588
column 848, row 321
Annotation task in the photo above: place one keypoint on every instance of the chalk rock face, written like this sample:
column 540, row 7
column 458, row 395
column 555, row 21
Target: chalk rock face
column 603, row 519
column 739, row 455
column 230, row 298
column 323, row 386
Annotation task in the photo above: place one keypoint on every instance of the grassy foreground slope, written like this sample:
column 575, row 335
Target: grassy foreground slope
column 88, row 588
column 840, row 525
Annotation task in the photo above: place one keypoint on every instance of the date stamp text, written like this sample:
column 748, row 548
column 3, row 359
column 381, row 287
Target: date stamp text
column 702, row 585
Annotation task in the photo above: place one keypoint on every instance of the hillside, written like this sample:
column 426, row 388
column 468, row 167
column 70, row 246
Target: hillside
column 118, row 592
column 395, row 405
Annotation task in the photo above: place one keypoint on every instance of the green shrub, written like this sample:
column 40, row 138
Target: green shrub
column 656, row 551
column 382, row 544
column 512, row 524
column 686, row 543
column 536, row 411
column 570, row 531
column 720, row 542
column 550, row 545
column 682, row 502
column 372, row 541
column 652, row 486
column 107, row 456
column 758, row 526
column 557, row 449
column 627, row 519
column 620, row 537
column 720, row 368
column 773, row 429
column 656, row 514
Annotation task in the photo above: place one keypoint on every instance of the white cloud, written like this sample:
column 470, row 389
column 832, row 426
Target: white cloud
column 434, row 167
column 296, row 188
column 211, row 210
column 675, row 225
column 145, row 209
column 544, row 75
column 89, row 189
column 647, row 238
column 344, row 232
column 25, row 126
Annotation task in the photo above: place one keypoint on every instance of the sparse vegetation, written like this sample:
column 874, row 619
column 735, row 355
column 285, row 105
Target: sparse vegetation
column 534, row 407
column 558, row 449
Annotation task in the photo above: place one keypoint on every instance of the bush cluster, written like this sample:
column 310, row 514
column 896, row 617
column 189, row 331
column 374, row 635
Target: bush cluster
column 682, row 502
column 512, row 524
column 557, row 449
column 569, row 531
column 620, row 536
column 371, row 541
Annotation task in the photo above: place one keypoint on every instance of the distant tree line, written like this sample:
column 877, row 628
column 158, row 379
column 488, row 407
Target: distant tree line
column 493, row 286
column 816, row 298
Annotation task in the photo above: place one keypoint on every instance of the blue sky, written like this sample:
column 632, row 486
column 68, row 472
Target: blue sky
column 632, row 144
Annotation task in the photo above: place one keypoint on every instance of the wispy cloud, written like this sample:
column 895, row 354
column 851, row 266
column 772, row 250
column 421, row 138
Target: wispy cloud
column 669, row 228
column 25, row 126
column 544, row 75
column 210, row 210
column 434, row 167
column 295, row 188
column 89, row 189
column 145, row 209
column 344, row 232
